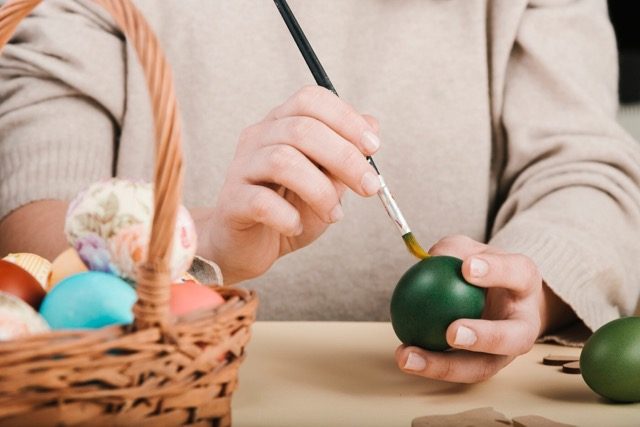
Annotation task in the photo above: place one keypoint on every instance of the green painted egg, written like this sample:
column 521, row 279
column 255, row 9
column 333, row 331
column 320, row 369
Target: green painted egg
column 428, row 297
column 610, row 360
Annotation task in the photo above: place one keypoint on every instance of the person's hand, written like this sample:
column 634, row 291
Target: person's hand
column 284, row 185
column 516, row 312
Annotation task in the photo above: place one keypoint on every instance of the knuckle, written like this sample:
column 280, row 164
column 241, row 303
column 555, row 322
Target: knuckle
column 260, row 206
column 290, row 220
column 247, row 135
column 526, row 347
column 492, row 339
column 299, row 127
column 529, row 271
column 349, row 120
column 306, row 97
column 372, row 122
column 281, row 158
column 350, row 159
column 326, row 195
column 487, row 370
column 444, row 370
column 529, row 339
column 457, row 239
column 446, row 244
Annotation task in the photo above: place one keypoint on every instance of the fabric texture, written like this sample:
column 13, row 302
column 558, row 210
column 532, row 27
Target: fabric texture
column 497, row 121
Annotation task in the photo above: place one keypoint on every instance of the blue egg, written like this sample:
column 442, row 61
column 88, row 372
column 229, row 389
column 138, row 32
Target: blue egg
column 89, row 300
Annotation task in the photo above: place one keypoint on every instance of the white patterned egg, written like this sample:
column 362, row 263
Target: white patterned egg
column 109, row 224
column 18, row 319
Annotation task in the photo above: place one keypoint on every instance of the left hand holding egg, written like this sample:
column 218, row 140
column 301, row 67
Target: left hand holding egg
column 513, row 317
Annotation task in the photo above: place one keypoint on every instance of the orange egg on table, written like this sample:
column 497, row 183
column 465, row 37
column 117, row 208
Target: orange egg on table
column 16, row 281
column 34, row 264
column 65, row 265
column 190, row 296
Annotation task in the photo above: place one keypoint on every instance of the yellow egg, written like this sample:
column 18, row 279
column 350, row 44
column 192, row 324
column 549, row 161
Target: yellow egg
column 34, row 264
column 65, row 265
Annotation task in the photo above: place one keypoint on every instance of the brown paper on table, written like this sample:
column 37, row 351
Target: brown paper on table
column 484, row 417
column 481, row 417
column 537, row 421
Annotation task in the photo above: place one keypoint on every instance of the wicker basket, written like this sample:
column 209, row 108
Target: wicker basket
column 158, row 371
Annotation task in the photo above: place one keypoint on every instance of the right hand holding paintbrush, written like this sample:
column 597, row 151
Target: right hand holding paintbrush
column 284, row 185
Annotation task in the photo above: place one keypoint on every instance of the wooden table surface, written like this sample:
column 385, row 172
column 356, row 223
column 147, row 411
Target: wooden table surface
column 344, row 374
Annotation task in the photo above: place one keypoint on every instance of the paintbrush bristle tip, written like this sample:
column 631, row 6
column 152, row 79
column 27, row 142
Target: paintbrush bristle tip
column 414, row 247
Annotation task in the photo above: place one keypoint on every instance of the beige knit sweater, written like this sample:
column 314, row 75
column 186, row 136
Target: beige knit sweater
column 497, row 121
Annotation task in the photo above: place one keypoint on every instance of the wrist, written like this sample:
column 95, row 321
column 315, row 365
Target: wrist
column 205, row 222
column 202, row 219
column 554, row 312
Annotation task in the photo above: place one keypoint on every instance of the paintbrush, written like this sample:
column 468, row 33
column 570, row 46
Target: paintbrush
column 322, row 79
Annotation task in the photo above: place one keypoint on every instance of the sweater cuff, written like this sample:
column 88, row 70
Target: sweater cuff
column 567, row 268
column 33, row 171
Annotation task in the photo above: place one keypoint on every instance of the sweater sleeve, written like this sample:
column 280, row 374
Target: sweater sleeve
column 61, row 103
column 569, row 191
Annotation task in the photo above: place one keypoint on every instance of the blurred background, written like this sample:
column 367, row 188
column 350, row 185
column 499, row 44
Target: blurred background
column 628, row 36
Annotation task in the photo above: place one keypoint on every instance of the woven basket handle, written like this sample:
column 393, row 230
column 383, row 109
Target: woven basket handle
column 154, row 279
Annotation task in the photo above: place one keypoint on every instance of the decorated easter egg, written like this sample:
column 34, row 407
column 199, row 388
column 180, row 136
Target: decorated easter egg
column 109, row 226
column 610, row 360
column 190, row 296
column 18, row 319
column 33, row 264
column 428, row 297
column 89, row 300
column 16, row 281
column 64, row 265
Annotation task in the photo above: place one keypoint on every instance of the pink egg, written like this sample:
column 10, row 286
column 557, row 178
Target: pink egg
column 190, row 296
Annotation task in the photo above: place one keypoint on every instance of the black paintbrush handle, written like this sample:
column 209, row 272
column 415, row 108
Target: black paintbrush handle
column 304, row 46
column 321, row 77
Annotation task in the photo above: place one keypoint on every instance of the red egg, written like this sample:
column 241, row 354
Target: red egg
column 16, row 281
column 191, row 296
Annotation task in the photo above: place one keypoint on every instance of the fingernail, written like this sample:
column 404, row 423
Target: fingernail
column 415, row 363
column 336, row 214
column 465, row 337
column 300, row 229
column 370, row 141
column 479, row 267
column 370, row 183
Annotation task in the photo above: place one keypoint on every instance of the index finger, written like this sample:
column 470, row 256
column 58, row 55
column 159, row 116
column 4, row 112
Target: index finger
column 323, row 105
column 458, row 246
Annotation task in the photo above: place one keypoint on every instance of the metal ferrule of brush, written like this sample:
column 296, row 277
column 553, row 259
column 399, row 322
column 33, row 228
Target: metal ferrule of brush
column 392, row 208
